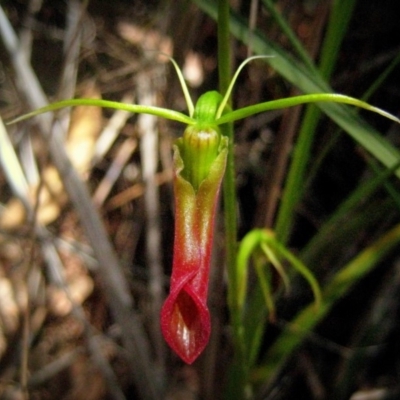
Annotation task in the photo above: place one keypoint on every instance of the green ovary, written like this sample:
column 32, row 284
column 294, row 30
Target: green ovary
column 199, row 148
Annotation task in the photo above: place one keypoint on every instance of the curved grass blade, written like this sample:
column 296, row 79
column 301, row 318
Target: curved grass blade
column 272, row 257
column 266, row 287
column 341, row 283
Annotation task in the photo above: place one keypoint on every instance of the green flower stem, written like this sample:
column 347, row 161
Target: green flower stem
column 238, row 378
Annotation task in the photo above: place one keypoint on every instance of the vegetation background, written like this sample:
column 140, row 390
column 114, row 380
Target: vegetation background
column 74, row 328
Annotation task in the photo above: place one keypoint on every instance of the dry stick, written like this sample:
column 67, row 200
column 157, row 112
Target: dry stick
column 55, row 367
column 26, row 36
column 26, row 39
column 252, row 25
column 52, row 369
column 93, row 342
column 14, row 173
column 26, row 328
column 111, row 131
column 72, row 44
column 149, row 154
column 38, row 231
column 123, row 155
column 280, row 156
column 15, row 176
column 136, row 191
column 119, row 298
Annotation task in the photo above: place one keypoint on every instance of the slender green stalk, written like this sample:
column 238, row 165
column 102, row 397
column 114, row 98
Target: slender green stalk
column 238, row 378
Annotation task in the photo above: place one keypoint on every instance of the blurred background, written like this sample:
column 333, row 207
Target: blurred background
column 86, row 251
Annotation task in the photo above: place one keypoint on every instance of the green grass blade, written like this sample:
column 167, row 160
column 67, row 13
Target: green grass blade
column 326, row 235
column 287, row 30
column 334, row 138
column 339, row 17
column 310, row 82
column 341, row 283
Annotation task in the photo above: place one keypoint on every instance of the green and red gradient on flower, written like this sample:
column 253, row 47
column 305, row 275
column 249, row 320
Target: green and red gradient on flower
column 199, row 164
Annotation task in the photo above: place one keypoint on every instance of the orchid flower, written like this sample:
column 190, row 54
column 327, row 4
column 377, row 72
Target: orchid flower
column 199, row 164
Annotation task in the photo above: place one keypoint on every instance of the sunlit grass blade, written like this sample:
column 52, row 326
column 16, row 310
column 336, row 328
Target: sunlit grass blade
column 317, row 162
column 272, row 257
column 133, row 108
column 332, row 141
column 245, row 250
